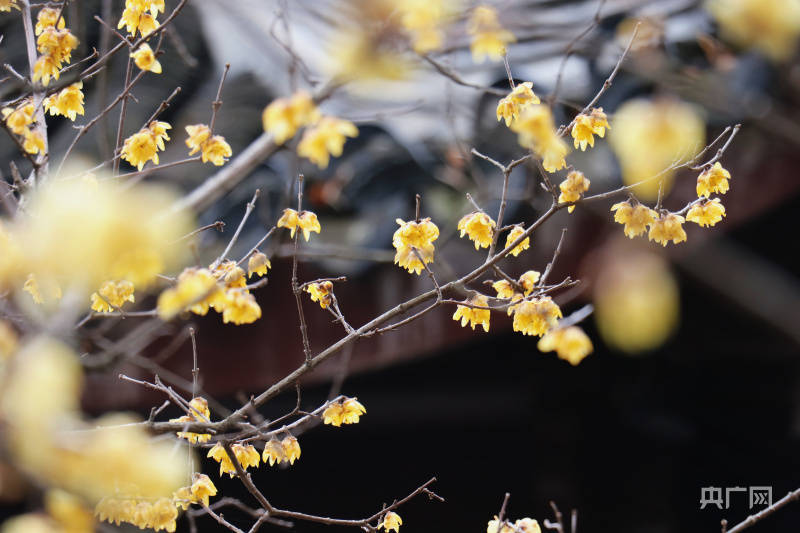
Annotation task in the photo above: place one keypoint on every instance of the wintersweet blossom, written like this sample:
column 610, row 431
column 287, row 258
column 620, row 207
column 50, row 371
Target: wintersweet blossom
column 587, row 126
column 474, row 316
column 572, row 188
column 19, row 118
column 258, row 265
column 305, row 220
column 668, row 227
column 636, row 218
column 424, row 20
column 536, row 131
column 273, row 452
column 199, row 413
column 510, row 106
column 284, row 116
column 536, row 316
column 391, row 521
column 197, row 289
column 713, row 180
column 216, row 150
column 770, row 26
column 145, row 59
column 246, row 455
column 6, row 5
column 112, row 295
column 324, row 139
column 144, row 145
column 414, row 244
column 479, row 227
column 291, row 449
column 515, row 233
column 240, row 307
column 47, row 19
column 706, row 213
column 321, row 292
column 489, row 38
column 347, row 412
column 68, row 102
column 570, row 344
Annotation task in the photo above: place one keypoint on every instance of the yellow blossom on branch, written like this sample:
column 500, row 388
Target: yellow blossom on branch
column 528, row 281
column 570, row 344
column 33, row 142
column 713, row 180
column 423, row 20
column 199, row 413
column 145, row 59
column 536, row 129
column 258, row 264
column 706, row 213
column 474, row 316
column 144, row 145
column 273, row 452
column 509, row 107
column 52, row 290
column 245, row 454
column 67, row 102
column 18, row 119
column 321, row 292
column 536, row 317
column 587, row 126
column 284, row 116
column 216, row 150
column 414, row 244
column 202, row 489
column 515, row 233
column 196, row 290
column 489, row 38
column 668, row 227
column 47, row 19
column 141, row 15
column 198, row 134
column 324, row 139
column 636, row 218
column 8, row 341
column 305, row 220
column 391, row 521
column 479, row 227
column 240, row 307
column 6, row 5
column 347, row 412
column 291, row 449
column 572, row 188
column 112, row 294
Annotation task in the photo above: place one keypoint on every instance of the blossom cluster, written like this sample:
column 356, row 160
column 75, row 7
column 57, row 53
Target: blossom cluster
column 55, row 43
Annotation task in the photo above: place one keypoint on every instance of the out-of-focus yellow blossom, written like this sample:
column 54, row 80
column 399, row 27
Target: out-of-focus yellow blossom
column 8, row 341
column 291, row 448
column 144, row 145
column 198, row 134
column 145, row 59
column 6, row 5
column 489, row 38
column 29, row 522
column 69, row 512
column 321, row 292
column 216, row 150
column 52, row 290
column 635, row 217
column 572, row 188
column 347, row 412
column 649, row 35
column 258, row 264
column 33, row 143
column 515, row 233
column 423, row 20
column 240, row 307
column 509, row 107
column 570, row 344
column 536, row 129
column 706, row 213
column 391, row 521
column 668, row 227
column 196, row 290
column 368, row 52
column 479, row 227
column 284, row 116
column 770, row 26
column 473, row 316
column 47, row 19
column 411, row 236
column 536, row 317
column 231, row 274
column 305, row 220
column 18, row 119
column 652, row 136
column 200, row 413
column 273, row 452
column 112, row 294
column 68, row 102
column 115, row 510
column 587, row 126
column 713, row 180
column 56, row 46
column 324, row 139
column 245, row 454
column 528, row 281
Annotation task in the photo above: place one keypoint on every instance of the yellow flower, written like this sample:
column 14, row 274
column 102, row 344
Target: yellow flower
column 273, row 452
column 493, row 526
column 391, row 520
column 713, row 180
column 291, row 449
column 527, row 525
column 321, row 292
column 46, row 67
column 112, row 294
column 158, row 130
column 245, row 454
column 571, row 344
column 651, row 136
column 324, row 139
column 198, row 134
column 145, row 59
column 57, row 44
column 19, row 118
column 258, row 264
column 706, row 214
column 528, row 281
column 489, row 38
column 479, row 227
column 147, row 24
column 587, row 126
column 510, row 106
column 352, row 411
column 305, row 220
column 423, row 20
column 667, row 227
column 536, row 129
column 135, row 16
column 200, row 413
column 553, row 150
column 515, row 233
column 231, row 274
column 770, row 26
column 202, row 489
column 216, row 150
column 635, row 217
column 68, row 511
column 33, row 143
column 536, row 317
column 411, row 236
column 333, row 414
column 472, row 315
column 68, row 102
column 140, row 148
column 572, row 188
column 47, row 19
column 196, row 290
column 6, row 5
column 240, row 307
column 504, row 289
column 284, row 116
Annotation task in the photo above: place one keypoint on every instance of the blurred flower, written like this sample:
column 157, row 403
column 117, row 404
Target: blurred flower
column 47, row 19
column 33, row 143
column 305, row 220
column 509, row 107
column 572, row 188
column 8, row 341
column 635, row 217
column 515, row 233
column 479, row 227
column 652, row 136
column 414, row 244
column 536, row 129
column 67, row 102
column 258, row 264
column 6, row 5
column 527, row 525
column 324, row 139
column 284, row 116
column 668, row 227
column 19, row 118
column 196, row 290
column 472, row 316
column 291, row 448
column 52, row 292
column 112, row 294
column 240, row 307
column 649, row 35
column 536, row 317
column 570, row 344
column 424, row 21
column 770, row 26
column 145, row 59
column 713, row 180
column 706, row 213
column 391, row 520
column 489, row 38
column 321, row 292
column 69, row 512
column 587, row 126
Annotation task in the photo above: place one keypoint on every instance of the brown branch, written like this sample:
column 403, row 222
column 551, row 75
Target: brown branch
column 754, row 518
